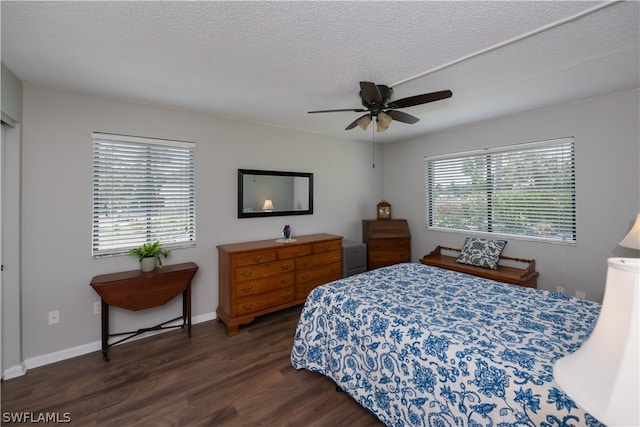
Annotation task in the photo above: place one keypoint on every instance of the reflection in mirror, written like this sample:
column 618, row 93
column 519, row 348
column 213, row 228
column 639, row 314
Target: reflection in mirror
column 274, row 193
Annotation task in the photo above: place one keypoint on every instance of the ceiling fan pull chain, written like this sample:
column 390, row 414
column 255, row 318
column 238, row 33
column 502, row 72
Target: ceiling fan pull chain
column 373, row 146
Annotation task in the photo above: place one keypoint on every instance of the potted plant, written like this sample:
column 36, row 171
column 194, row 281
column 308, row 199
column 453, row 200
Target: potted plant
column 149, row 255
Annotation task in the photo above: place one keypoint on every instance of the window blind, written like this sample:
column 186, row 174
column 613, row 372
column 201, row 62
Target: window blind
column 523, row 190
column 143, row 191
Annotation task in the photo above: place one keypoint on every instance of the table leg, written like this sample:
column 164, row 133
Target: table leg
column 186, row 308
column 105, row 331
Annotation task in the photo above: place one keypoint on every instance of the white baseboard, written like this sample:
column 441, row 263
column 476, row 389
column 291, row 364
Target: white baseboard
column 57, row 356
column 14, row 371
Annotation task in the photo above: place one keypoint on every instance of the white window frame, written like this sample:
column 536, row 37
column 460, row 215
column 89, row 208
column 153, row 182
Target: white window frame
column 143, row 191
column 480, row 206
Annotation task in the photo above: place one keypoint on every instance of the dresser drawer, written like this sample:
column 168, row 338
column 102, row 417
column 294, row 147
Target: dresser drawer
column 253, row 287
column 294, row 251
column 330, row 246
column 392, row 257
column 303, row 289
column 318, row 272
column 259, row 302
column 252, row 258
column 318, row 259
column 388, row 244
column 260, row 271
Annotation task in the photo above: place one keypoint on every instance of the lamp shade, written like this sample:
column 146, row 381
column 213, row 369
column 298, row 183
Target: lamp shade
column 383, row 121
column 268, row 205
column 602, row 375
column 364, row 121
column 632, row 239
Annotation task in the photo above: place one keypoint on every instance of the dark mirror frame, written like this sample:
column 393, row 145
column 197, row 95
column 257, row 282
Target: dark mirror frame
column 243, row 214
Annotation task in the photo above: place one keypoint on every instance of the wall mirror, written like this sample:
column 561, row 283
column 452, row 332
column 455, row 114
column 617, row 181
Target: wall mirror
column 274, row 193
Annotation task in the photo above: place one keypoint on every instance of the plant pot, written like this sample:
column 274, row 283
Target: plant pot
column 148, row 264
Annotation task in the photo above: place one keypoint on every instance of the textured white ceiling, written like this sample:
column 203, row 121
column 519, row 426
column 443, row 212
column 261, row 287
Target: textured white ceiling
column 271, row 62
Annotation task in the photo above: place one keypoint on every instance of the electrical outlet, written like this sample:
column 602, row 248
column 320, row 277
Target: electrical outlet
column 97, row 307
column 560, row 290
column 54, row 317
column 581, row 295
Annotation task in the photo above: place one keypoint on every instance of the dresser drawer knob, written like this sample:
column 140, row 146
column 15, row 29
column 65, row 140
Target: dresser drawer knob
column 285, row 295
column 305, row 276
column 247, row 289
column 285, row 280
column 247, row 306
column 285, row 266
column 256, row 258
column 247, row 273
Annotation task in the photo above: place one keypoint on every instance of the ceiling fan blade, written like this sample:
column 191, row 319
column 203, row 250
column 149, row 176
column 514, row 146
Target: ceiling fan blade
column 354, row 110
column 355, row 122
column 370, row 94
column 420, row 99
column 403, row 117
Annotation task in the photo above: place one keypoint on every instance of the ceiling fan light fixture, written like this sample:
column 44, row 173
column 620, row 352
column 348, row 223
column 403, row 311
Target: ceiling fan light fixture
column 383, row 121
column 364, row 122
column 377, row 98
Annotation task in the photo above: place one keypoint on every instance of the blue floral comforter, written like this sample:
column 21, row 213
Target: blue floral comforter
column 420, row 345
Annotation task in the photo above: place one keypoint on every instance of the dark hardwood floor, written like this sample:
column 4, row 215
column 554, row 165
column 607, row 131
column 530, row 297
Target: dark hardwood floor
column 208, row 380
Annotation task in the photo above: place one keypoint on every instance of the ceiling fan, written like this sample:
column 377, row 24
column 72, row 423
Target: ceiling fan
column 377, row 102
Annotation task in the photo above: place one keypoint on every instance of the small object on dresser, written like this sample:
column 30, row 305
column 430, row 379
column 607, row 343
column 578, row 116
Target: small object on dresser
column 384, row 210
column 286, row 232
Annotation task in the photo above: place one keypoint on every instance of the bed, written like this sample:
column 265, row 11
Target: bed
column 420, row 345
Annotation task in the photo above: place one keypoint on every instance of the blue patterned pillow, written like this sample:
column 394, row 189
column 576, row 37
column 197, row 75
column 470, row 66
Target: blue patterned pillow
column 481, row 252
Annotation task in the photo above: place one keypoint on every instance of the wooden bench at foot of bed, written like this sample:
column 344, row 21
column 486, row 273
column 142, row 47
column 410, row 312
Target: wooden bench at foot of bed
column 527, row 276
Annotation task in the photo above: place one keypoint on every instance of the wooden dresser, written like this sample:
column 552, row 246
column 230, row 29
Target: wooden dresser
column 388, row 242
column 264, row 276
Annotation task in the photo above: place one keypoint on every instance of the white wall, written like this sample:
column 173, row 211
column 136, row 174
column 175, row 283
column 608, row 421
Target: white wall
column 607, row 184
column 56, row 227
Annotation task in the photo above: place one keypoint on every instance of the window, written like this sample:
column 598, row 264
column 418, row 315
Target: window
column 523, row 190
column 143, row 191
